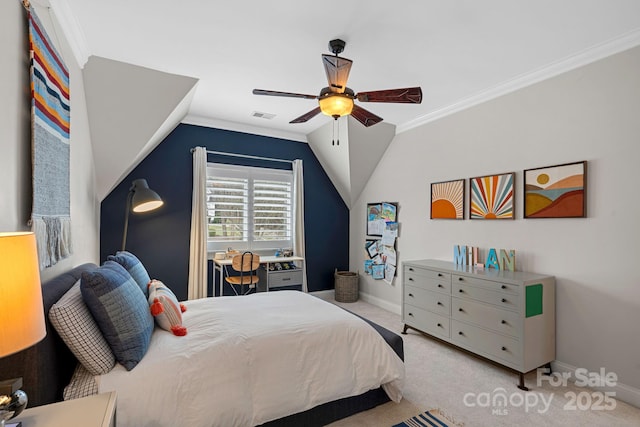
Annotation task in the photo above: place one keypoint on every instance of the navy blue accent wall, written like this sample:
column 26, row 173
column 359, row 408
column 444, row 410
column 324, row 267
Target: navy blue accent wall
column 161, row 238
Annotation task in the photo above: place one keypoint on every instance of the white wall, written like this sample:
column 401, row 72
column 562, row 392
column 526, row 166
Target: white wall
column 590, row 114
column 15, row 138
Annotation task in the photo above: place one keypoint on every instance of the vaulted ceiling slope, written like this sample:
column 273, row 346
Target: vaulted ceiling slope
column 131, row 109
column 460, row 53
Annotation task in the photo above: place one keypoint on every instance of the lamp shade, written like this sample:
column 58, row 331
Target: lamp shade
column 144, row 199
column 21, row 309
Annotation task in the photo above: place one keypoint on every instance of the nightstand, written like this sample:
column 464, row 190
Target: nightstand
column 94, row 411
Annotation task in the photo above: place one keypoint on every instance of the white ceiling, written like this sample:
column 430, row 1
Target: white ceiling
column 458, row 51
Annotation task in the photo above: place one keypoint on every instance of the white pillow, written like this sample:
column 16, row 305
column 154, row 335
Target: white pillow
column 165, row 308
column 79, row 331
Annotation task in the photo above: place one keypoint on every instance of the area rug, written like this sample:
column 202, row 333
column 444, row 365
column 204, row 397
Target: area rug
column 431, row 418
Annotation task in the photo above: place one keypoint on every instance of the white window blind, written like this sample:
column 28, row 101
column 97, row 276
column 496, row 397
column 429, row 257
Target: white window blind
column 249, row 207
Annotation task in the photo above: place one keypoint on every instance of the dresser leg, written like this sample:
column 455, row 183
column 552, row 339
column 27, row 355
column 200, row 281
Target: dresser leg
column 521, row 385
column 404, row 330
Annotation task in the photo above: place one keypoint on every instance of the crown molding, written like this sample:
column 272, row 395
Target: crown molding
column 72, row 30
column 585, row 57
column 191, row 119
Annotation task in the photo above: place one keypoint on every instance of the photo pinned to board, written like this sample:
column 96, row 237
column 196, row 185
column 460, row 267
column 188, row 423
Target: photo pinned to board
column 381, row 251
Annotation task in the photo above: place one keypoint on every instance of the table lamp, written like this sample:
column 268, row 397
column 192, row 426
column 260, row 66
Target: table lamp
column 21, row 310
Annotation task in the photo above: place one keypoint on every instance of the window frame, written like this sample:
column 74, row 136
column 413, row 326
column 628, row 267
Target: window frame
column 251, row 173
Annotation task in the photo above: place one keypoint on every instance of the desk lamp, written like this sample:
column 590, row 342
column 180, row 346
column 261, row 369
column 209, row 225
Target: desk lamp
column 21, row 311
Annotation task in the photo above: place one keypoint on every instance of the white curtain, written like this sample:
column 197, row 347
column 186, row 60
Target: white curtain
column 298, row 218
column 198, row 244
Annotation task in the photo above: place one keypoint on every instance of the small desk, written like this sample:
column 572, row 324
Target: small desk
column 98, row 410
column 222, row 264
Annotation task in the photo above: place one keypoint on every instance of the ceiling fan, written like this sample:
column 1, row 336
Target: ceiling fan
column 337, row 99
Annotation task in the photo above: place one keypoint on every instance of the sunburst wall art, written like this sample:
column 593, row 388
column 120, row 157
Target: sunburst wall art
column 492, row 197
column 556, row 191
column 447, row 200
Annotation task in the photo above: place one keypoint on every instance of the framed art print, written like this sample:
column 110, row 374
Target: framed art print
column 447, row 200
column 556, row 191
column 492, row 196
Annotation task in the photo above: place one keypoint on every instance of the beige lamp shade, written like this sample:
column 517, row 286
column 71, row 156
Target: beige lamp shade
column 21, row 309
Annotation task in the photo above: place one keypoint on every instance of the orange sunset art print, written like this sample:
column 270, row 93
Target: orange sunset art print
column 447, row 200
column 556, row 191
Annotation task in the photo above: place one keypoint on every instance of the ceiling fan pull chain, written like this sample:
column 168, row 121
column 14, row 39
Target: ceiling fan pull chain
column 333, row 134
column 338, row 132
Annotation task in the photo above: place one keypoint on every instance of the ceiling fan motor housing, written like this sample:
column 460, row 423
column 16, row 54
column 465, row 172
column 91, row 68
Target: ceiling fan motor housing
column 337, row 46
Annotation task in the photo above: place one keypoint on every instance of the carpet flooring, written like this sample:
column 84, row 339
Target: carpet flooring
column 440, row 377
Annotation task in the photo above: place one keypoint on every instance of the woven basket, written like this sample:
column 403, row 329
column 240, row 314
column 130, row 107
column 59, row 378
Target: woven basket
column 346, row 284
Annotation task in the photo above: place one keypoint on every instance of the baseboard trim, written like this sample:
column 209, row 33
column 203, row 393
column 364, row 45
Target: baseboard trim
column 624, row 393
column 386, row 305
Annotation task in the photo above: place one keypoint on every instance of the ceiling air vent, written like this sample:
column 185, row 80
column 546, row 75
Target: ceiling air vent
column 260, row 115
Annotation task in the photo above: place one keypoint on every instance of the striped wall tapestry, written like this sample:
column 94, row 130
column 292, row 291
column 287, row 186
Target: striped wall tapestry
column 50, row 114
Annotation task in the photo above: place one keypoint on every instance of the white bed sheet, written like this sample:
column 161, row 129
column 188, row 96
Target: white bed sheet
column 252, row 359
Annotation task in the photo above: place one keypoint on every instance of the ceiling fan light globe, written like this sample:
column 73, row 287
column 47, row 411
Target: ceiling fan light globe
column 336, row 105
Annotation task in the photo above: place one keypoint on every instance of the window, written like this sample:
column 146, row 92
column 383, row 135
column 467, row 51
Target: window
column 249, row 208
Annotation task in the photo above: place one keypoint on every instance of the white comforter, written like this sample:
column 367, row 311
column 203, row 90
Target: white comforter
column 249, row 360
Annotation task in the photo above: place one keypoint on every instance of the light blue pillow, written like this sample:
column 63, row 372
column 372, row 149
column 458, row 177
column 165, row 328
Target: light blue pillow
column 134, row 266
column 120, row 310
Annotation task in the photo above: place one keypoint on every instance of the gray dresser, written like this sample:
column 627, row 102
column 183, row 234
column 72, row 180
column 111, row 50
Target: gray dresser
column 504, row 316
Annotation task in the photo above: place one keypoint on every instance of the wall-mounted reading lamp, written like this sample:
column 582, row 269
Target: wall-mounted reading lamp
column 140, row 199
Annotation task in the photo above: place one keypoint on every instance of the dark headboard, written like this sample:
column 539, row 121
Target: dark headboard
column 46, row 368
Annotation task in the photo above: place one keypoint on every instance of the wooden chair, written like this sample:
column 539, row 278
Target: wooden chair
column 246, row 264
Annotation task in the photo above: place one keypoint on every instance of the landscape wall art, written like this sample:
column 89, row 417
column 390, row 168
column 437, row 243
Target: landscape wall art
column 556, row 191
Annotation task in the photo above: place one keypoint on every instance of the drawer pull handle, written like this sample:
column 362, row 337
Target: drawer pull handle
column 460, row 310
column 504, row 348
column 439, row 325
column 411, row 314
column 440, row 286
column 460, row 279
column 286, row 278
column 439, row 274
column 439, row 303
column 503, row 287
column 411, row 279
column 504, row 322
column 504, row 300
column 460, row 333
column 411, row 295
column 410, row 269
column 461, row 291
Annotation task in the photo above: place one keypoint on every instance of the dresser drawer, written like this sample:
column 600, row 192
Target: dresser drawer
column 486, row 284
column 429, row 300
column 481, row 340
column 503, row 321
column 509, row 301
column 427, row 279
column 426, row 321
column 285, row 278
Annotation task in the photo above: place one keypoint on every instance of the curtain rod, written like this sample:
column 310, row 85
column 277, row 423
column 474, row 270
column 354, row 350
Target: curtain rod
column 246, row 156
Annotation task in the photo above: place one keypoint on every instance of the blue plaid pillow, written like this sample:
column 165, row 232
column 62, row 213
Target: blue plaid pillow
column 136, row 269
column 120, row 310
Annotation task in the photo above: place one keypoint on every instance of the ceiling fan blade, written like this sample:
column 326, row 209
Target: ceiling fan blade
column 337, row 70
column 365, row 117
column 306, row 116
column 409, row 95
column 287, row 94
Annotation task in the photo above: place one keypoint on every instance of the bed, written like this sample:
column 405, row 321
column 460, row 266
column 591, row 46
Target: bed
column 48, row 367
